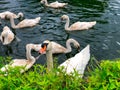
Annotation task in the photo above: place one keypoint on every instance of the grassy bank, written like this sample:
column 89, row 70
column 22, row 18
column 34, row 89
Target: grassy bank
column 103, row 76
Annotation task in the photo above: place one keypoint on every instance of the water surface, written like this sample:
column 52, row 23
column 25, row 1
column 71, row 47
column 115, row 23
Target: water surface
column 103, row 37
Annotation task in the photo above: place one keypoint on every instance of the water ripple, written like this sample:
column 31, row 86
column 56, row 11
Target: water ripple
column 103, row 37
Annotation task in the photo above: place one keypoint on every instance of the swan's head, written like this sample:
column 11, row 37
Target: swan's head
column 75, row 43
column 64, row 17
column 45, row 46
column 42, row 1
column 20, row 15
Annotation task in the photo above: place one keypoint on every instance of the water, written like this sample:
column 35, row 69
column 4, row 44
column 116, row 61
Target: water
column 103, row 37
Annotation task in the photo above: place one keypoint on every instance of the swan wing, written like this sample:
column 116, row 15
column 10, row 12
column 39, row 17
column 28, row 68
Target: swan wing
column 78, row 62
column 57, row 48
column 57, row 4
column 3, row 14
column 9, row 37
column 75, row 26
column 19, row 62
column 13, row 63
column 27, row 23
column 82, row 25
column 54, row 3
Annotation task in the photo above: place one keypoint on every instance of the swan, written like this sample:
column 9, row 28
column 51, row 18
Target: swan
column 26, row 63
column 4, row 14
column 24, row 23
column 54, row 4
column 7, row 36
column 57, row 48
column 77, row 63
column 78, row 25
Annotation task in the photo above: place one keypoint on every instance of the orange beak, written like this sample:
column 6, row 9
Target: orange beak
column 42, row 50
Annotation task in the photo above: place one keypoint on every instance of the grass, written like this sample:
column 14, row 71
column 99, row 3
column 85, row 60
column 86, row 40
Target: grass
column 98, row 76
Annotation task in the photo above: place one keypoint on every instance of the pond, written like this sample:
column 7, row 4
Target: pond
column 103, row 37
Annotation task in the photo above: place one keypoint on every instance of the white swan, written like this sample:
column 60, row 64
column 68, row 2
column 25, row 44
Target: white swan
column 78, row 25
column 27, row 64
column 57, row 48
column 24, row 23
column 4, row 14
column 7, row 36
column 77, row 63
column 54, row 4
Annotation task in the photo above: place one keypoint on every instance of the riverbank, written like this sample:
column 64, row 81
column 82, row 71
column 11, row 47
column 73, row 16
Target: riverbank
column 102, row 75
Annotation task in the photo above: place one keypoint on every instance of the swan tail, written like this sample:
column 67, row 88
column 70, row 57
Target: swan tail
column 38, row 19
column 93, row 23
column 65, row 3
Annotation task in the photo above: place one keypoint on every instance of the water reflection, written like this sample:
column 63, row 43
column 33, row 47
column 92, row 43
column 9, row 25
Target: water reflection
column 102, row 37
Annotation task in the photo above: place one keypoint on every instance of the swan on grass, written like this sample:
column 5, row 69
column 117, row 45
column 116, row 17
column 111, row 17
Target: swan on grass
column 4, row 14
column 26, row 63
column 7, row 36
column 57, row 48
column 24, row 23
column 77, row 63
column 77, row 25
column 54, row 4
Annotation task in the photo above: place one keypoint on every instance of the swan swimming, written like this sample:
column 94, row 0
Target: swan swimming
column 24, row 23
column 7, row 36
column 4, row 14
column 54, row 4
column 77, row 25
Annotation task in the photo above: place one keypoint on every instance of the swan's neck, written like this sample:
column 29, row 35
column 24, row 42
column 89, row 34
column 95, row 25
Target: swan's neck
column 46, row 3
column 30, row 58
column 68, row 47
column 49, row 58
column 67, row 24
column 28, row 53
column 74, row 42
column 13, row 23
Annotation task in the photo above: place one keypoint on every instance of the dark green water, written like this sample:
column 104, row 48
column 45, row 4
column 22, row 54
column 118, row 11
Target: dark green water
column 103, row 38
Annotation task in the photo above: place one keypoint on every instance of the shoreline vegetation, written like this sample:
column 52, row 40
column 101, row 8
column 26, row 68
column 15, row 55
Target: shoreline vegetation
column 103, row 75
